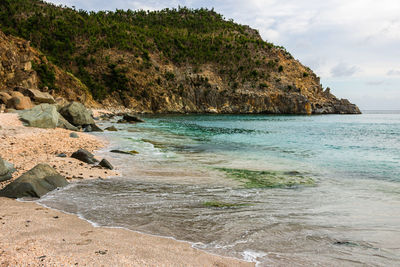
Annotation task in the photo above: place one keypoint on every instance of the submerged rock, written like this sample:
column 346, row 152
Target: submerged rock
column 132, row 152
column 111, row 129
column 35, row 183
column 41, row 116
column 84, row 155
column 268, row 179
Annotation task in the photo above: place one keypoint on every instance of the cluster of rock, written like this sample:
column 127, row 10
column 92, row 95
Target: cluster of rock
column 42, row 178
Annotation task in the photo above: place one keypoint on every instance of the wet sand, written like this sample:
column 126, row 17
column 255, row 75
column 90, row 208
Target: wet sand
column 31, row 235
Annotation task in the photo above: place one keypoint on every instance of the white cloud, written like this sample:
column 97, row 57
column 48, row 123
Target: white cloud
column 343, row 70
column 395, row 72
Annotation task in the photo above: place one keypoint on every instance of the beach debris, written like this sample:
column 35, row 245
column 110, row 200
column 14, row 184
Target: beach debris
column 84, row 155
column 111, row 129
column 102, row 252
column 6, row 170
column 36, row 182
column 106, row 164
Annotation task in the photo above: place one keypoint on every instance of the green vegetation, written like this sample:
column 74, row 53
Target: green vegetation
column 75, row 40
column 46, row 75
column 219, row 204
column 267, row 179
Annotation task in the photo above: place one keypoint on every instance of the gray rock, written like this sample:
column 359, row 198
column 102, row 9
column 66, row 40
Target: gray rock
column 131, row 118
column 77, row 114
column 62, row 155
column 96, row 128
column 111, row 129
column 36, row 95
column 74, row 135
column 106, row 164
column 35, row 183
column 6, row 170
column 87, row 128
column 41, row 116
column 63, row 123
column 84, row 155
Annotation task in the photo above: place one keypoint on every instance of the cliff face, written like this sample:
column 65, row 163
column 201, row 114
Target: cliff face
column 23, row 66
column 169, row 61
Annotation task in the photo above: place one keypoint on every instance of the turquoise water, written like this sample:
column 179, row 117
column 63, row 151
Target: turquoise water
column 191, row 177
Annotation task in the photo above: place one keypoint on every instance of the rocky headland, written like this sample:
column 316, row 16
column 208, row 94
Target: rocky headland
column 169, row 61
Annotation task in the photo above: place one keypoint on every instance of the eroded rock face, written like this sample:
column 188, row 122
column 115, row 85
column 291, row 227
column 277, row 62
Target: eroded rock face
column 16, row 67
column 34, row 183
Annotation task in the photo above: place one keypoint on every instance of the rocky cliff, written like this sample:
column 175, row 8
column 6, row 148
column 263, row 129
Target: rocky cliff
column 169, row 61
column 23, row 66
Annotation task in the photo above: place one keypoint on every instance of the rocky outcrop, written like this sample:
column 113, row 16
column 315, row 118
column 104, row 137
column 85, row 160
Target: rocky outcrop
column 6, row 170
column 265, row 79
column 18, row 64
column 34, row 183
column 41, row 116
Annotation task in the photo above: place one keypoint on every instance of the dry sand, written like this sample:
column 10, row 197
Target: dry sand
column 25, row 147
column 31, row 235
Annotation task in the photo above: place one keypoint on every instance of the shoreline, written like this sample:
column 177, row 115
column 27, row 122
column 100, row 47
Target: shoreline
column 30, row 232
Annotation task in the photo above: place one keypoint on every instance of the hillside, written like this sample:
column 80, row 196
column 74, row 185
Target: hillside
column 173, row 60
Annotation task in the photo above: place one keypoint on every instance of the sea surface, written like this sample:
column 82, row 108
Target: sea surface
column 276, row 190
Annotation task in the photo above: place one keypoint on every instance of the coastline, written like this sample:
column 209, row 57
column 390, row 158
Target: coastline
column 31, row 234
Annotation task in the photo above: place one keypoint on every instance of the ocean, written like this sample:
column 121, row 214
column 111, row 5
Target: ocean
column 276, row 190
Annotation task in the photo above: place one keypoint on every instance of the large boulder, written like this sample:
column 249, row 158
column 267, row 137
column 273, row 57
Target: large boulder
column 35, row 183
column 6, row 170
column 41, row 116
column 36, row 95
column 19, row 102
column 77, row 114
column 84, row 155
column 63, row 123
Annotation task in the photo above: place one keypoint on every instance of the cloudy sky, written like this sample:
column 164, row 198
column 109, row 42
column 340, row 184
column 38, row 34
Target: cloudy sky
column 354, row 46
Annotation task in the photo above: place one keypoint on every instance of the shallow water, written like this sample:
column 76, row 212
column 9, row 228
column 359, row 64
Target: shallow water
column 178, row 185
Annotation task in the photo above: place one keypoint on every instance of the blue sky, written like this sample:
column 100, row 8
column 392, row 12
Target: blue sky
column 354, row 46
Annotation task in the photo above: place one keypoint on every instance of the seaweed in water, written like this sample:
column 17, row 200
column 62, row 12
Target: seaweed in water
column 268, row 179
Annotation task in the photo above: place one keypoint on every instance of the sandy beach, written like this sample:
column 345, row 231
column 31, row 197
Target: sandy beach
column 31, row 235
